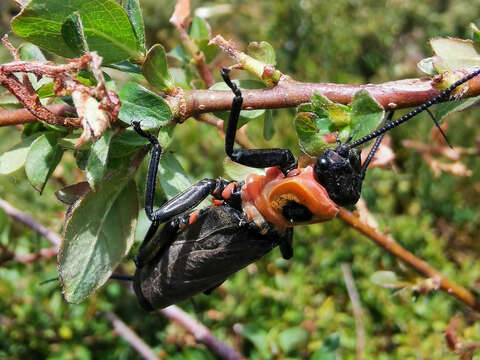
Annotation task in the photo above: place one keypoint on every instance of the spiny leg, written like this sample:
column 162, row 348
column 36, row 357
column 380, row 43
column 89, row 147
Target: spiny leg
column 258, row 158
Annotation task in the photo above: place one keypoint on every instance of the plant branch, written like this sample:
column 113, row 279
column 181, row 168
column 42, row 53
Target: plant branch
column 23, row 116
column 30, row 222
column 357, row 309
column 201, row 333
column 131, row 337
column 390, row 245
column 290, row 93
column 181, row 19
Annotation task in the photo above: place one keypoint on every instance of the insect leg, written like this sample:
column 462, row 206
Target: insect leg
column 258, row 158
column 153, row 245
column 186, row 200
column 285, row 243
column 374, row 148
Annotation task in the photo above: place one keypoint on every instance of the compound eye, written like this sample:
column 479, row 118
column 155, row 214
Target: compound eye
column 323, row 163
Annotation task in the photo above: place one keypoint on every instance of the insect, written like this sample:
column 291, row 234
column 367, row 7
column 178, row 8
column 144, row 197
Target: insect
column 197, row 251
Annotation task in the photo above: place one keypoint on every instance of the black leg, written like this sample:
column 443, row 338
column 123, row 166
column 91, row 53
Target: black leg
column 374, row 148
column 285, row 243
column 186, row 200
column 153, row 245
column 258, row 158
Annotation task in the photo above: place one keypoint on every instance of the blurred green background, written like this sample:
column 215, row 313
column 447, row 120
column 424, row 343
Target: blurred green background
column 300, row 308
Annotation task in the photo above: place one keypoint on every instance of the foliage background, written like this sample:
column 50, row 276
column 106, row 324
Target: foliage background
column 288, row 308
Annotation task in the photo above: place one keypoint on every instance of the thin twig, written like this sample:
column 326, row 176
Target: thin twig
column 181, row 19
column 131, row 337
column 392, row 95
column 201, row 333
column 22, row 116
column 390, row 245
column 240, row 137
column 357, row 309
column 30, row 222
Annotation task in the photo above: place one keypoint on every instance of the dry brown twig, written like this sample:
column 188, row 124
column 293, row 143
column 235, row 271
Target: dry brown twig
column 96, row 107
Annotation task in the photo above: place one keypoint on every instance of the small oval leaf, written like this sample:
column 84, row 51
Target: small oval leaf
column 99, row 232
column 106, row 27
column 14, row 159
column 42, row 159
column 97, row 161
column 155, row 69
column 142, row 105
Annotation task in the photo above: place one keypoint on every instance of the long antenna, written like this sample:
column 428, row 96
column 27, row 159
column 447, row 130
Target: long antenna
column 444, row 94
column 375, row 146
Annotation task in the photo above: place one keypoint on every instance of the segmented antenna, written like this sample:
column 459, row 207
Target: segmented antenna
column 444, row 94
column 375, row 146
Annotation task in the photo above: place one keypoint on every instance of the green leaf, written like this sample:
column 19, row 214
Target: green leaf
column 245, row 115
column 142, row 105
column 178, row 54
column 28, row 52
column 268, row 125
column 134, row 13
column 427, row 66
column 310, row 130
column 475, row 32
column 72, row 193
column 14, row 159
column 106, row 27
column 447, row 108
column 171, row 175
column 387, row 279
column 42, row 159
column 127, row 66
column 258, row 337
column 328, row 351
column 262, row 51
column 72, row 33
column 338, row 114
column 236, row 171
column 97, row 161
column 199, row 29
column 99, row 232
column 155, row 69
column 293, row 338
column 366, row 114
column 454, row 54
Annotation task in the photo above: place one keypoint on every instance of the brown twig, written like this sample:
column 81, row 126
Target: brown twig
column 357, row 309
column 201, row 333
column 131, row 337
column 30, row 222
column 22, row 116
column 181, row 19
column 290, row 93
column 389, row 244
column 240, row 137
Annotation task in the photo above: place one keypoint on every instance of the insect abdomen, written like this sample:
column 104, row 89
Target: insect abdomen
column 201, row 257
